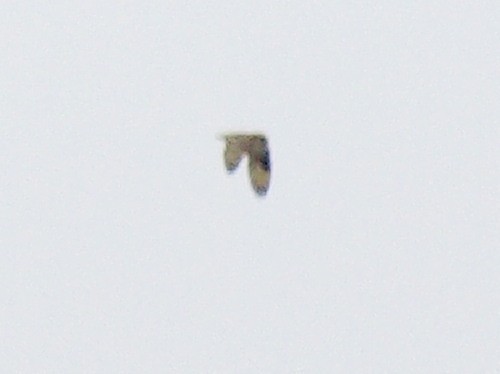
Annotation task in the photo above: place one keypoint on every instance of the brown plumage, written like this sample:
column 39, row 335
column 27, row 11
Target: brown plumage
column 259, row 164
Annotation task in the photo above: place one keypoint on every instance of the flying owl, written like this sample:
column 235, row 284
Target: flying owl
column 259, row 163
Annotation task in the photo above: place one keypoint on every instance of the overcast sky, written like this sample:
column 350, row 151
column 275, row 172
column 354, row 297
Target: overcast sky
column 126, row 248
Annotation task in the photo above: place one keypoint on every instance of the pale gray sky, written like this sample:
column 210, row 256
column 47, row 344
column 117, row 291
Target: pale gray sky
column 127, row 249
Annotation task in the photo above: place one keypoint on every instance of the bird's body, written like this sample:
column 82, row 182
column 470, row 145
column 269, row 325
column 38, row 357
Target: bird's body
column 256, row 148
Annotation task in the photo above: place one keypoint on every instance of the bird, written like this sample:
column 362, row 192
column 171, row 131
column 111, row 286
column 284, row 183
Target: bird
column 255, row 147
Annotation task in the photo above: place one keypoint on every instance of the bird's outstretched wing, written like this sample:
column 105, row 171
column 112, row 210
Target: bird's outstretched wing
column 233, row 153
column 259, row 166
column 259, row 177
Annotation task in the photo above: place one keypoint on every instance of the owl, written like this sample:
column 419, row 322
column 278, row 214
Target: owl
column 259, row 163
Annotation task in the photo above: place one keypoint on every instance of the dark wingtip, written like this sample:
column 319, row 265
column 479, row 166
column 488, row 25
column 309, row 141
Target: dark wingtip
column 260, row 191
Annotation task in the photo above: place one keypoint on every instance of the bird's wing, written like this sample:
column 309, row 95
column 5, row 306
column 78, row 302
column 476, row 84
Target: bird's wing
column 260, row 170
column 232, row 154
